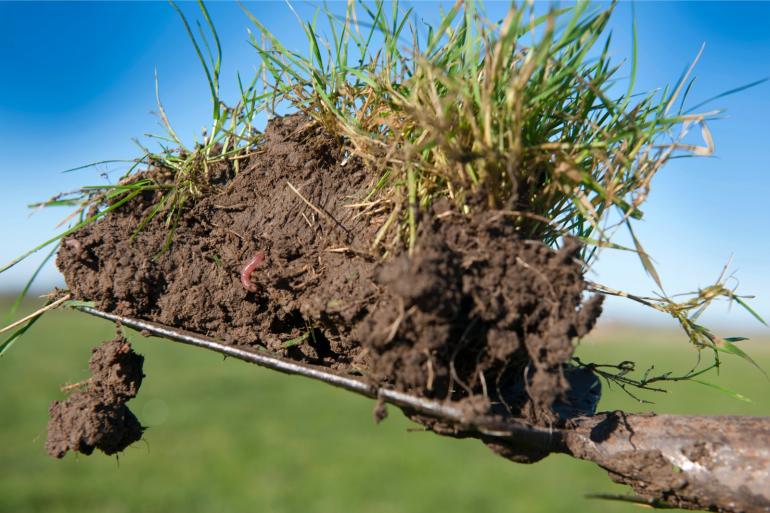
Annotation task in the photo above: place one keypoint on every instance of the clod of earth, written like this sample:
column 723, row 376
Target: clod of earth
column 474, row 314
column 97, row 417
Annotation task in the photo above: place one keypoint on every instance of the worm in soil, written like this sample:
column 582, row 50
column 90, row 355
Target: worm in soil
column 74, row 244
column 250, row 267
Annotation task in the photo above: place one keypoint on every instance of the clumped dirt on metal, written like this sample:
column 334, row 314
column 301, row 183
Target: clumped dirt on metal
column 474, row 314
column 477, row 313
column 97, row 417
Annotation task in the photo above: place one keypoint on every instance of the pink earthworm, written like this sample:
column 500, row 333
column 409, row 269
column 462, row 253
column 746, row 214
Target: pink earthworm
column 75, row 244
column 250, row 267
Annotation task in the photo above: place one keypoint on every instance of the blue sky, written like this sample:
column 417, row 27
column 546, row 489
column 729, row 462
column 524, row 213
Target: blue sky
column 78, row 84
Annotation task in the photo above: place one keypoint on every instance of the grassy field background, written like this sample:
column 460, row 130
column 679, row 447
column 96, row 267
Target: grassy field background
column 225, row 436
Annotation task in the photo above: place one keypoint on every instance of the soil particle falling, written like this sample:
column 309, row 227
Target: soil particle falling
column 475, row 314
column 97, row 417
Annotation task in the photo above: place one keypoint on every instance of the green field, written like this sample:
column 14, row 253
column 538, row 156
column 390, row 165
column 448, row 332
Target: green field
column 229, row 437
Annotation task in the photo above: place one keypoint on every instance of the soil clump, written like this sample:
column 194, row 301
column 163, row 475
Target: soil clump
column 97, row 417
column 474, row 314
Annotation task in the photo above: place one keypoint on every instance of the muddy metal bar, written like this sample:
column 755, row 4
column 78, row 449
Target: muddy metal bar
column 692, row 462
column 543, row 438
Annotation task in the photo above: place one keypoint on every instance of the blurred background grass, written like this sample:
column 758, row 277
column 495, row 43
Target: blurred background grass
column 227, row 436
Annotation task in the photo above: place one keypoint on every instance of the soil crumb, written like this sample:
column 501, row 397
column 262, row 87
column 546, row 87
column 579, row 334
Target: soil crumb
column 278, row 255
column 97, row 416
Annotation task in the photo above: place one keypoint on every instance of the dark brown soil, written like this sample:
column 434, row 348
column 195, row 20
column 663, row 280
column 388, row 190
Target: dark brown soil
column 474, row 314
column 97, row 416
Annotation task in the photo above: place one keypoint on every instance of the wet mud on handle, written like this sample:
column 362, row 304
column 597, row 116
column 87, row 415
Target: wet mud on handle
column 693, row 462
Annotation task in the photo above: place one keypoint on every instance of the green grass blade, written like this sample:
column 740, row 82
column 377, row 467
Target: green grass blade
column 683, row 80
column 23, row 294
column 727, row 93
column 75, row 303
column 724, row 390
column 412, row 206
column 644, row 257
column 634, row 58
column 212, row 79
column 94, row 164
column 16, row 335
column 725, row 346
column 749, row 309
column 75, row 228
column 296, row 341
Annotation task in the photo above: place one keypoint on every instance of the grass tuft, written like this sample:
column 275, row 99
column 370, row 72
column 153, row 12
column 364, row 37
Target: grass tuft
column 520, row 114
column 525, row 115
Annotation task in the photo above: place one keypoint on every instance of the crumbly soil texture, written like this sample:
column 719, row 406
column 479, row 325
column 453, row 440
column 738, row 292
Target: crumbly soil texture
column 475, row 314
column 96, row 415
